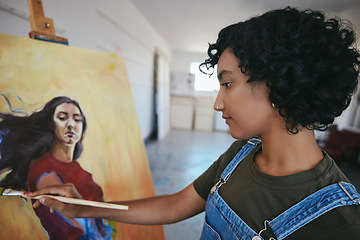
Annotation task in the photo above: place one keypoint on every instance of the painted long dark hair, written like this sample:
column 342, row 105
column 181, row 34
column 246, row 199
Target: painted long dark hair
column 24, row 139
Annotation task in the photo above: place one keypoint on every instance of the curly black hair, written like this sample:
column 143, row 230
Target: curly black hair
column 26, row 138
column 308, row 61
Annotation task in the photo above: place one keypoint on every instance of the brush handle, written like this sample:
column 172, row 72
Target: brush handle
column 84, row 202
column 11, row 192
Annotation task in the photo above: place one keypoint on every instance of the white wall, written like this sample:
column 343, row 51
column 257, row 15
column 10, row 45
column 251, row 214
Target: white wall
column 114, row 26
column 181, row 60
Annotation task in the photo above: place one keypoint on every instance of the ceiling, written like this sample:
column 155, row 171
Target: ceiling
column 189, row 25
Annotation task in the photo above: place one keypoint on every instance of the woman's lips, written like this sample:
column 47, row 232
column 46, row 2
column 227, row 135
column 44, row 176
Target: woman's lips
column 227, row 119
column 70, row 134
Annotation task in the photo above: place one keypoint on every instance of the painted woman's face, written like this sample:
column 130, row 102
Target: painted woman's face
column 68, row 123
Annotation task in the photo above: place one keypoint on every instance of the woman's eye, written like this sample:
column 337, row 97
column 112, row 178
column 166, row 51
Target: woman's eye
column 78, row 120
column 226, row 84
column 61, row 118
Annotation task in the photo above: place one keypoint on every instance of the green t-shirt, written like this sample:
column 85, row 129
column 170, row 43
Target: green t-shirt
column 257, row 197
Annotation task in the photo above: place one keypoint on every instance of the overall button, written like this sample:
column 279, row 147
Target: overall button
column 256, row 238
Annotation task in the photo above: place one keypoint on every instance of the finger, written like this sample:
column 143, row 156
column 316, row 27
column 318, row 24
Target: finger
column 36, row 204
column 38, row 192
column 51, row 203
column 55, row 190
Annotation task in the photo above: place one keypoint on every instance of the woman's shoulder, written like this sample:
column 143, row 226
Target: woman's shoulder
column 46, row 157
column 44, row 164
column 38, row 167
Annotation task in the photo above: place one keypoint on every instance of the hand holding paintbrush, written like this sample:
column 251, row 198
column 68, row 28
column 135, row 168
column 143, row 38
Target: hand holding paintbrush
column 10, row 192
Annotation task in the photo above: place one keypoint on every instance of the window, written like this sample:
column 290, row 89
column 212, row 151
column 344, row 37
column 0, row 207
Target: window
column 204, row 82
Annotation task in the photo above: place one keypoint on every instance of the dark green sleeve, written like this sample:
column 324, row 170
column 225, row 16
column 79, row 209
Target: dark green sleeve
column 211, row 176
column 206, row 181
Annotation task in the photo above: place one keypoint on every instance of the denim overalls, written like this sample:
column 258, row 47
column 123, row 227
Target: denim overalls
column 221, row 222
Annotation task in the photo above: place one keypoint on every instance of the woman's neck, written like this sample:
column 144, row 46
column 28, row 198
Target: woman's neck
column 286, row 153
column 62, row 152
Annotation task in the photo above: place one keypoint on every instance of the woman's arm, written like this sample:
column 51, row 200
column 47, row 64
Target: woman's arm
column 155, row 210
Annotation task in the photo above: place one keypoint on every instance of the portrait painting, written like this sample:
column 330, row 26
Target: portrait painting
column 90, row 92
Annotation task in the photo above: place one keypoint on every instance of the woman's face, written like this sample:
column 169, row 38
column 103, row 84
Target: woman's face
column 68, row 124
column 245, row 106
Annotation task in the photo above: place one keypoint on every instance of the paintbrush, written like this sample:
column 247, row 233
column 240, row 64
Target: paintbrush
column 11, row 192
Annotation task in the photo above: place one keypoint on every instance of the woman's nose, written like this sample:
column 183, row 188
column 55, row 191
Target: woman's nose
column 70, row 124
column 218, row 105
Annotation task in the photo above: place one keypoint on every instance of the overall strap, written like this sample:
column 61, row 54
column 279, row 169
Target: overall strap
column 245, row 150
column 318, row 203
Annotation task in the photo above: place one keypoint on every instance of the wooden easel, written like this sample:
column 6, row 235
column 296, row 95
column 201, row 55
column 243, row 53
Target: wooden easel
column 42, row 28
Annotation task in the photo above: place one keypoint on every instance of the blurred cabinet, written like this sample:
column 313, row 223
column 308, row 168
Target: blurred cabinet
column 182, row 112
column 188, row 112
column 204, row 113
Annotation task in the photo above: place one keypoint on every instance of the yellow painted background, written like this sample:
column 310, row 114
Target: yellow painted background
column 114, row 151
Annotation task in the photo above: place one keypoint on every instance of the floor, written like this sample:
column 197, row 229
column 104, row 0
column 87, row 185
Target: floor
column 181, row 157
column 177, row 161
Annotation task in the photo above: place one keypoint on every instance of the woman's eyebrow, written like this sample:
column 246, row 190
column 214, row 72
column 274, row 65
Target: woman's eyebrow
column 63, row 113
column 221, row 74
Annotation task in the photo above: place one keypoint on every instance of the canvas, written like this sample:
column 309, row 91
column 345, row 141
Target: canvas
column 32, row 73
